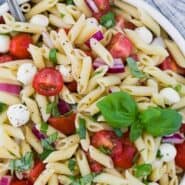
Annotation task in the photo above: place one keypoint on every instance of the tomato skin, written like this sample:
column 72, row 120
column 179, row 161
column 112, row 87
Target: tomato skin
column 182, row 129
column 5, row 58
column 72, row 86
column 170, row 64
column 120, row 21
column 65, row 124
column 48, row 82
column 36, row 171
column 103, row 5
column 20, row 182
column 19, row 45
column 180, row 157
column 120, row 46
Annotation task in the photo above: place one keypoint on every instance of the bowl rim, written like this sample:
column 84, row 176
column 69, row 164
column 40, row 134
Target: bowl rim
column 161, row 20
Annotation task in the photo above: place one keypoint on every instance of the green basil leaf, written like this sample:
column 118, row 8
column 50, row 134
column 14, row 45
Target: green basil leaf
column 119, row 109
column 53, row 55
column 132, row 65
column 69, row 2
column 47, row 143
column 72, row 165
column 22, row 164
column 108, row 20
column 135, row 131
column 45, row 154
column 44, row 127
column 105, row 150
column 87, row 179
column 161, row 122
column 3, row 107
column 53, row 109
column 82, row 128
column 143, row 170
column 118, row 132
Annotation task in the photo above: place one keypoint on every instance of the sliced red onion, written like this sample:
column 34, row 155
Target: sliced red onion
column 98, row 36
column 38, row 133
column 92, row 5
column 118, row 66
column 176, row 138
column 63, row 107
column 5, row 180
column 10, row 88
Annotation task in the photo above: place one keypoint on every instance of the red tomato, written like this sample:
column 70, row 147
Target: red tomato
column 72, row 86
column 1, row 20
column 95, row 166
column 48, row 82
column 20, row 182
column 36, row 171
column 122, row 23
column 170, row 64
column 5, row 58
column 182, row 129
column 19, row 46
column 129, row 25
column 120, row 46
column 180, row 157
column 65, row 124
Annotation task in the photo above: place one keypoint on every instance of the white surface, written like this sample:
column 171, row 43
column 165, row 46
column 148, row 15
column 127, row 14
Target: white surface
column 158, row 17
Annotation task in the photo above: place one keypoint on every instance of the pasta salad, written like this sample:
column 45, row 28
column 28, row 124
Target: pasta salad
column 92, row 92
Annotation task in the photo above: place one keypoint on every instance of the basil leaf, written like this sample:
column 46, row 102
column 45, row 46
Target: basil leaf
column 3, row 107
column 135, row 131
column 45, row 154
column 161, row 122
column 69, row 2
column 143, row 170
column 105, row 150
column 44, row 127
column 132, row 65
column 53, row 55
column 119, row 109
column 22, row 164
column 82, row 128
column 108, row 20
column 72, row 165
column 85, row 180
column 47, row 143
column 118, row 132
column 53, row 109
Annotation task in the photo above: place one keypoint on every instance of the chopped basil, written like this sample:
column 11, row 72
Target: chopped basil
column 143, row 170
column 85, row 180
column 22, row 164
column 82, row 128
column 105, row 150
column 3, row 107
column 53, row 109
column 44, row 127
column 136, row 131
column 53, row 55
column 108, row 20
column 69, row 2
column 72, row 164
column 132, row 65
column 45, row 154
column 118, row 132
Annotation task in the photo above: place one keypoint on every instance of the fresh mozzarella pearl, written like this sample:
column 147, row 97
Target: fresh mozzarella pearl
column 40, row 19
column 5, row 43
column 145, row 34
column 66, row 73
column 26, row 72
column 168, row 152
column 18, row 115
column 169, row 95
column 158, row 41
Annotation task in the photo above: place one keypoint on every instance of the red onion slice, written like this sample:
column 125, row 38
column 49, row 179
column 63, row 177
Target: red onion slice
column 63, row 107
column 5, row 180
column 38, row 133
column 98, row 36
column 10, row 88
column 176, row 138
column 92, row 5
column 118, row 66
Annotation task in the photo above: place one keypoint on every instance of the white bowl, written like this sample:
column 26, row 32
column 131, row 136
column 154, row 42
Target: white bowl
column 163, row 21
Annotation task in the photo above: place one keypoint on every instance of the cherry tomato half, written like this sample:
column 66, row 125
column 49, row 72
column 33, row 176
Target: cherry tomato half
column 19, row 46
column 48, row 82
column 65, row 124
column 5, row 58
column 180, row 157
column 20, row 182
column 120, row 46
column 72, row 86
column 36, row 171
column 122, row 23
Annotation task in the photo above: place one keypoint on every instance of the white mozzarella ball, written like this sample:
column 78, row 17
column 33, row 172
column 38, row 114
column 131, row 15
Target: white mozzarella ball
column 5, row 43
column 145, row 34
column 26, row 72
column 40, row 19
column 18, row 115
column 170, row 96
column 168, row 152
column 158, row 41
column 66, row 73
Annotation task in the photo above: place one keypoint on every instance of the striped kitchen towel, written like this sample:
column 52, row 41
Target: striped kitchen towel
column 173, row 10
